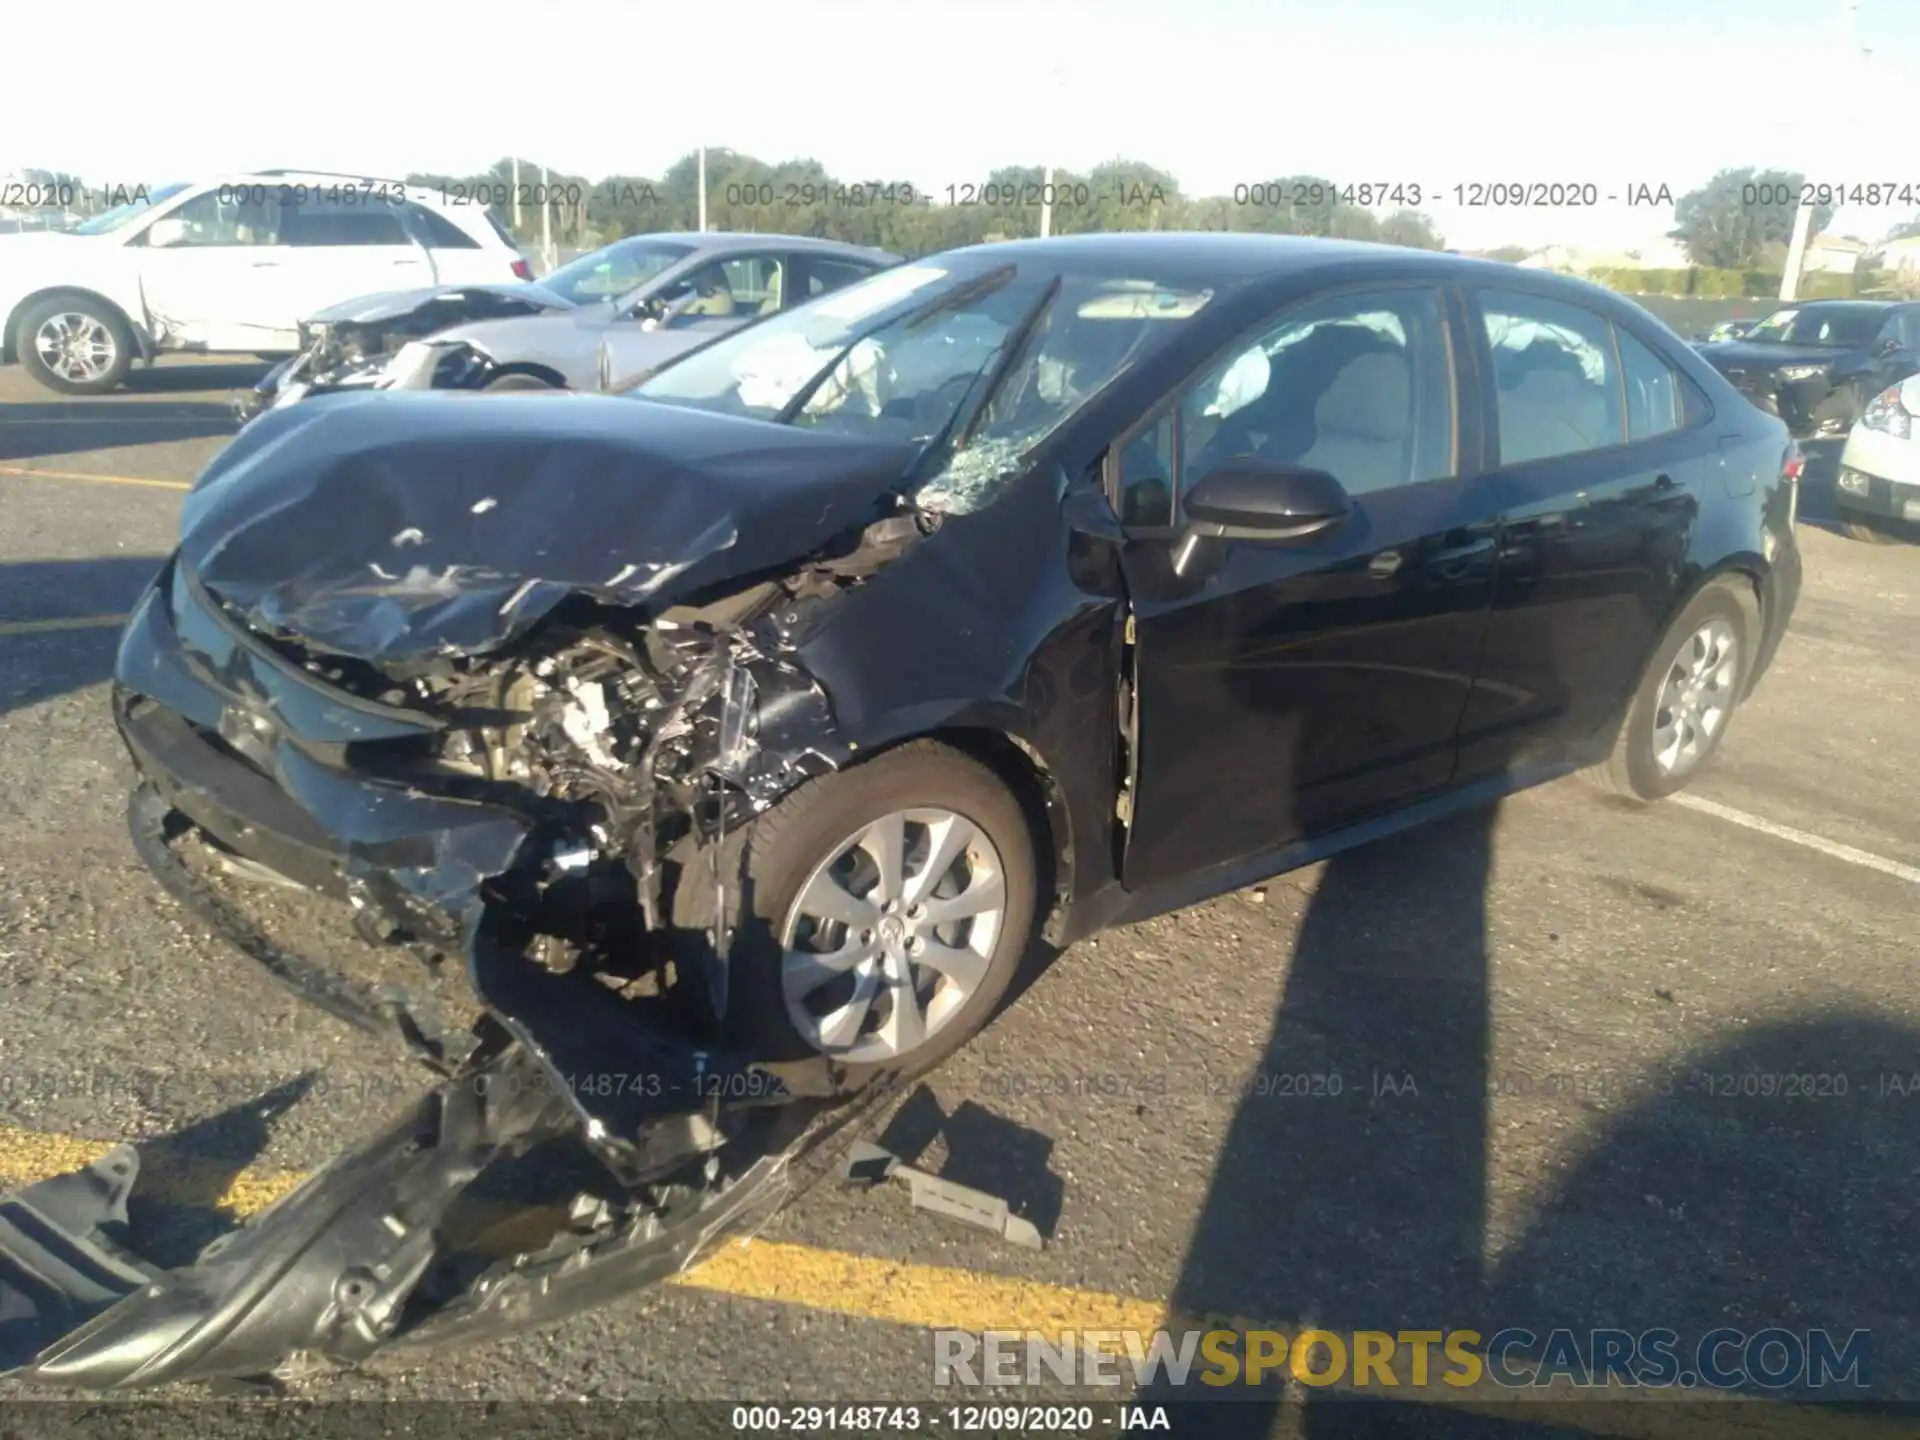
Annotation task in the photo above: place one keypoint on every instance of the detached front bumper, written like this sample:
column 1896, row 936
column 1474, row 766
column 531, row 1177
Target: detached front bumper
column 1812, row 407
column 694, row 1141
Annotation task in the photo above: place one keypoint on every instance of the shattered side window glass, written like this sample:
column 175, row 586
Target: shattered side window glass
column 905, row 356
column 1091, row 334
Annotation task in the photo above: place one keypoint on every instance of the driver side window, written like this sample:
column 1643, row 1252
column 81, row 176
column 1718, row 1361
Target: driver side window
column 1357, row 385
column 741, row 286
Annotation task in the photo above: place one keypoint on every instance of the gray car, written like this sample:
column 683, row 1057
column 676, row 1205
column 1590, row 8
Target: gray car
column 610, row 314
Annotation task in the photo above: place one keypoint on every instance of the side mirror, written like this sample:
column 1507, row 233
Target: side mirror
column 163, row 233
column 1247, row 498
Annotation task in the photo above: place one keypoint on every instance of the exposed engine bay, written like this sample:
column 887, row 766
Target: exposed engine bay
column 521, row 816
column 365, row 343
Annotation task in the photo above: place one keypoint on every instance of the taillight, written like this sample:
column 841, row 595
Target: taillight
column 522, row 270
column 1792, row 465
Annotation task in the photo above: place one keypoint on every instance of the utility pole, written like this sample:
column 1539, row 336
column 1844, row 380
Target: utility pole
column 703, row 189
column 1803, row 215
column 1046, row 172
column 546, row 222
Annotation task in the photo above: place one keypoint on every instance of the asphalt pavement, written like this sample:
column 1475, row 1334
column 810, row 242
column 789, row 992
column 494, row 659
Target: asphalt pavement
column 1566, row 1063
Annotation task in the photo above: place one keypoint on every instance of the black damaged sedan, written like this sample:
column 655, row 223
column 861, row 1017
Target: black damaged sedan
column 735, row 736
column 1818, row 365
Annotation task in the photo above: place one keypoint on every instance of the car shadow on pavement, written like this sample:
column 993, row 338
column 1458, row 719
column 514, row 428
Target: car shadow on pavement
column 1762, row 1182
column 68, row 427
column 173, row 379
column 38, row 664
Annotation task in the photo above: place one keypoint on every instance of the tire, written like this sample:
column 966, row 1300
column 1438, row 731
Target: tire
column 109, row 330
column 784, row 851
column 1868, row 533
column 516, row 381
column 1634, row 769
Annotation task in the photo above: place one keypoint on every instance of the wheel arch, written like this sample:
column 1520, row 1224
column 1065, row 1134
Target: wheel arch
column 11, row 340
column 1019, row 765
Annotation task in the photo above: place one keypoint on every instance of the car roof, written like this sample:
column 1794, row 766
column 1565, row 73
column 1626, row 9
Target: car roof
column 721, row 240
column 1211, row 257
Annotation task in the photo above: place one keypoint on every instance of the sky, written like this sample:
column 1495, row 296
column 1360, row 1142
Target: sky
column 1610, row 93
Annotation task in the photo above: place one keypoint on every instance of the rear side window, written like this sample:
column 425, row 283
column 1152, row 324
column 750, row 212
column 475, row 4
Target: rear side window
column 827, row 275
column 1653, row 390
column 439, row 232
column 1555, row 382
column 313, row 220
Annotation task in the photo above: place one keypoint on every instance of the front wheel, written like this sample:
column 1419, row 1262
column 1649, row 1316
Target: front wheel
column 516, row 381
column 888, row 909
column 1687, row 695
column 75, row 345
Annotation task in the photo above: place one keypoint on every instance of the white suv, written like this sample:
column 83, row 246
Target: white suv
column 229, row 266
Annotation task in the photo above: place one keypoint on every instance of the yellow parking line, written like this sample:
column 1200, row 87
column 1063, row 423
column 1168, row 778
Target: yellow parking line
column 940, row 1297
column 26, row 473
column 72, row 622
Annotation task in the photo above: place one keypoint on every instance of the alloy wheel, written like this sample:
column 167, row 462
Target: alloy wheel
column 76, row 346
column 892, row 934
column 1696, row 697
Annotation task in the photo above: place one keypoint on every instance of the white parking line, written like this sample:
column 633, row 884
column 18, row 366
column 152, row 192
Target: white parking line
column 1838, row 851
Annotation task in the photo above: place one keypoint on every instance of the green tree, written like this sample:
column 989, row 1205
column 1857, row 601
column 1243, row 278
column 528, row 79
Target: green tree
column 1728, row 222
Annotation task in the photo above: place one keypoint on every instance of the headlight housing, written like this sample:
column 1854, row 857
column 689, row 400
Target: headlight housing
column 1791, row 373
column 1887, row 412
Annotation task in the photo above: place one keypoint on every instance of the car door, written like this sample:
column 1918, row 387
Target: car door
column 211, row 272
column 1285, row 688
column 342, row 243
column 1601, row 452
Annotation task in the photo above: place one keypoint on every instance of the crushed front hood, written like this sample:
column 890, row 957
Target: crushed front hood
column 396, row 526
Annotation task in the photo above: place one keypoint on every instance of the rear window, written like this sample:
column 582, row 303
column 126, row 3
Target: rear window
column 440, row 232
column 320, row 222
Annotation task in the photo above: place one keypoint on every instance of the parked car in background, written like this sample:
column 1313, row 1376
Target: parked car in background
column 625, row 308
column 1818, row 365
column 1877, row 489
column 227, row 266
column 1728, row 330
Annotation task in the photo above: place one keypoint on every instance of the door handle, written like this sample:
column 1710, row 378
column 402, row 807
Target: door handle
column 1663, row 482
column 1385, row 564
column 1454, row 562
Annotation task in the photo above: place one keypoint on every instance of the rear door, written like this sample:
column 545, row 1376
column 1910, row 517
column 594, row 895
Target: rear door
column 342, row 243
column 1288, row 688
column 1601, row 454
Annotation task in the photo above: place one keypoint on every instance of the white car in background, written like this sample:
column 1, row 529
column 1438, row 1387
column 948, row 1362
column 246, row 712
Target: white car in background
column 228, row 266
column 1879, row 478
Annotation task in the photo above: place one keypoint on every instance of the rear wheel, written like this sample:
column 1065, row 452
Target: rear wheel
column 75, row 345
column 1687, row 695
column 888, row 910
